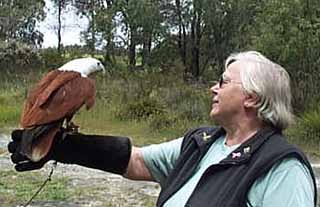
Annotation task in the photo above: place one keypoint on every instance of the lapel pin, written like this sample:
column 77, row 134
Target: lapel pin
column 246, row 150
column 205, row 137
column 236, row 155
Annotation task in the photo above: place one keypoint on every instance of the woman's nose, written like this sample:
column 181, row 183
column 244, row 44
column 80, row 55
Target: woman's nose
column 214, row 88
column 215, row 85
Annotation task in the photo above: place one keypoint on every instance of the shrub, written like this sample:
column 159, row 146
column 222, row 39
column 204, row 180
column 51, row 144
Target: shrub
column 52, row 58
column 162, row 121
column 164, row 54
column 311, row 120
column 155, row 96
column 187, row 101
column 140, row 109
column 306, row 131
column 18, row 56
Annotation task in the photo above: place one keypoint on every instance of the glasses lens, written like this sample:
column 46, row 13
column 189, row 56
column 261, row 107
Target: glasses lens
column 220, row 81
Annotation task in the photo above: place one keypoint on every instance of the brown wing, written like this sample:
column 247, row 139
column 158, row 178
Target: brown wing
column 40, row 146
column 43, row 145
column 58, row 94
column 32, row 96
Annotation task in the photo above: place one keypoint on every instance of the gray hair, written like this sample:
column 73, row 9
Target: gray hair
column 270, row 82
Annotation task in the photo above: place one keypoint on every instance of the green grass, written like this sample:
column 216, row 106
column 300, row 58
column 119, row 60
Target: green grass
column 10, row 107
column 18, row 188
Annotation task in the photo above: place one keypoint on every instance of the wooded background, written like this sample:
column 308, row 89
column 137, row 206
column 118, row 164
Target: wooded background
column 195, row 36
column 161, row 57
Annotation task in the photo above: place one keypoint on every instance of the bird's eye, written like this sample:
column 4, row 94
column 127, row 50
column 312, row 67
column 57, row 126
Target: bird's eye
column 98, row 63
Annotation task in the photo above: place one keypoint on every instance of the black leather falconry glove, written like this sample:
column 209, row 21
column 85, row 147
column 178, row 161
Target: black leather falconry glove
column 107, row 153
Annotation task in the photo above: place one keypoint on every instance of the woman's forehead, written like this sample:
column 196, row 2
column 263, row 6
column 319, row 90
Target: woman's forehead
column 233, row 70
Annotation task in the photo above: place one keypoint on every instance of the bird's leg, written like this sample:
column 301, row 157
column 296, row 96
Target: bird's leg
column 70, row 126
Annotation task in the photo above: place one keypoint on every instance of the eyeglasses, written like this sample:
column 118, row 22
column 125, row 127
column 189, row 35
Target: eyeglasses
column 222, row 81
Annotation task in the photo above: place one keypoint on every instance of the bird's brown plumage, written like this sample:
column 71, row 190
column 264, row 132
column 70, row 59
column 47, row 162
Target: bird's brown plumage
column 58, row 96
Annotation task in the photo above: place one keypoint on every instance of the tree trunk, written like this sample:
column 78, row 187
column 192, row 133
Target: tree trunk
column 109, row 55
column 93, row 34
column 147, row 40
column 195, row 43
column 182, row 41
column 132, row 48
column 60, row 7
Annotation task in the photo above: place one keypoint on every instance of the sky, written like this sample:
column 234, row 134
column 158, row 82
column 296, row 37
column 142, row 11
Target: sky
column 73, row 25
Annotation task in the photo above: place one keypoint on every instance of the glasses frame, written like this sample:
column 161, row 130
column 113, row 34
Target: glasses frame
column 222, row 81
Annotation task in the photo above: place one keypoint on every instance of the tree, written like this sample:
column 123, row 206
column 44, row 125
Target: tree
column 139, row 22
column 288, row 32
column 88, row 9
column 60, row 5
column 106, row 26
column 18, row 20
column 197, row 26
column 151, row 27
column 182, row 30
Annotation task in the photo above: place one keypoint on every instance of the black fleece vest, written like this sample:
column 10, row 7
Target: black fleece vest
column 227, row 183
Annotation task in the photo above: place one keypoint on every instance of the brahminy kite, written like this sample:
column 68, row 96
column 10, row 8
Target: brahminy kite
column 55, row 99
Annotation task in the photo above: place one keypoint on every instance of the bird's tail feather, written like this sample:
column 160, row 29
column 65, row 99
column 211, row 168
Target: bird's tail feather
column 38, row 139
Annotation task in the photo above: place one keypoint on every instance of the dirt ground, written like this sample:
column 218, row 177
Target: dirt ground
column 107, row 189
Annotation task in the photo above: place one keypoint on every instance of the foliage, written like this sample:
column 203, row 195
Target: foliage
column 198, row 32
column 89, row 10
column 18, row 56
column 163, row 100
column 310, row 120
column 288, row 32
column 140, row 109
column 150, row 107
column 162, row 121
column 165, row 54
column 60, row 6
column 306, row 131
column 52, row 58
column 18, row 20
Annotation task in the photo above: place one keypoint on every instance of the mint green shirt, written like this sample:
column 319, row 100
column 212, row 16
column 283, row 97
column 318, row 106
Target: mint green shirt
column 287, row 184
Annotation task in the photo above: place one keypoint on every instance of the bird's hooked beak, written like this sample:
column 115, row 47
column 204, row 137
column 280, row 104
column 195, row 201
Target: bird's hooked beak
column 103, row 69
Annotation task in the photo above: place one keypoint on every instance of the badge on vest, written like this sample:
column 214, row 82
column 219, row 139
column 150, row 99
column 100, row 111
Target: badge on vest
column 205, row 137
column 246, row 150
column 235, row 155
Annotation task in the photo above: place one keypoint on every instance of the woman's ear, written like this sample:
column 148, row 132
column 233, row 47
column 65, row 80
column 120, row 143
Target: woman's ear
column 252, row 100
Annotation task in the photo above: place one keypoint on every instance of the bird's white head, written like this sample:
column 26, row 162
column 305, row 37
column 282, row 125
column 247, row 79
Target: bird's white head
column 85, row 66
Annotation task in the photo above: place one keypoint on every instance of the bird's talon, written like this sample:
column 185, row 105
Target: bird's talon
column 72, row 128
